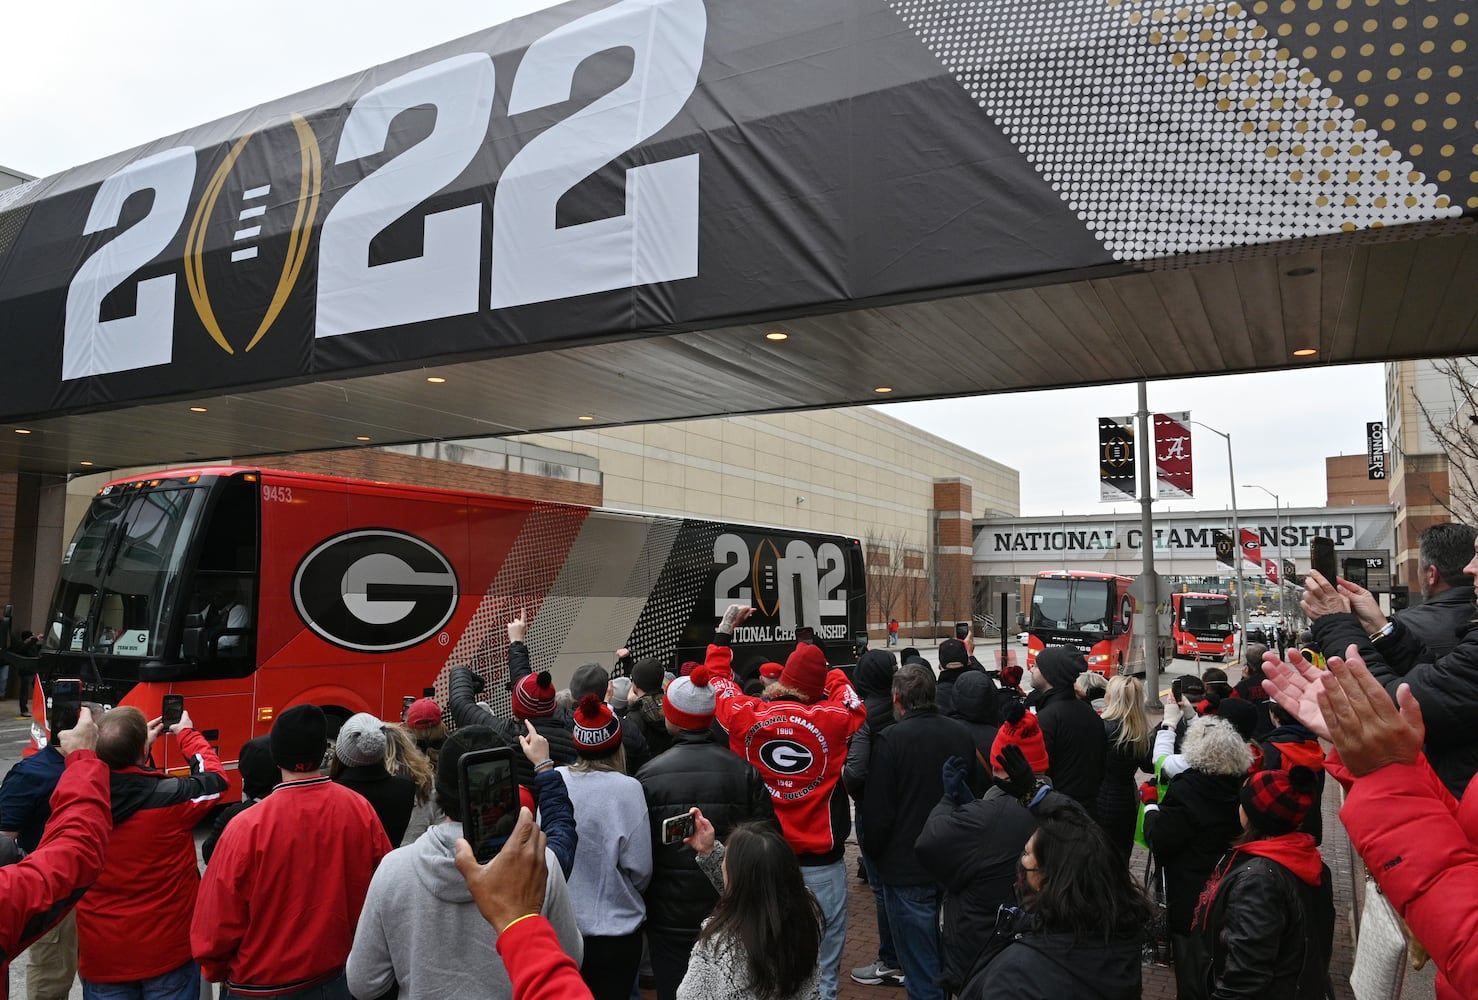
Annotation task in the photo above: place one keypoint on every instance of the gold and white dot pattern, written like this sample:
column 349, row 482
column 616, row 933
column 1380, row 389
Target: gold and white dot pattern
column 1175, row 128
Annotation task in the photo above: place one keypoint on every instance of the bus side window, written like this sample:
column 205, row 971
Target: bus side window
column 220, row 601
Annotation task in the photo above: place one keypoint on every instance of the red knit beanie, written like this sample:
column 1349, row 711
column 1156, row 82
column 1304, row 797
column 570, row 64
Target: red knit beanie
column 1020, row 727
column 533, row 696
column 597, row 731
column 805, row 671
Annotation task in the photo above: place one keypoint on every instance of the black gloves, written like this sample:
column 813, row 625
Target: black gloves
column 956, row 786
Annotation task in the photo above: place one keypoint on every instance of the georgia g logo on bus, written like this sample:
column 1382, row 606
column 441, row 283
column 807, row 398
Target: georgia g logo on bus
column 375, row 590
column 785, row 756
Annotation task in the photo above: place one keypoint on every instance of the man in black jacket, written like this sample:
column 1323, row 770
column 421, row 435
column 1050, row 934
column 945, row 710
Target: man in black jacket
column 1076, row 740
column 696, row 771
column 1447, row 592
column 904, row 784
column 1446, row 686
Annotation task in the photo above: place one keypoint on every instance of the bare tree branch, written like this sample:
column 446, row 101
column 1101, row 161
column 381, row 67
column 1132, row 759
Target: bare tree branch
column 1456, row 430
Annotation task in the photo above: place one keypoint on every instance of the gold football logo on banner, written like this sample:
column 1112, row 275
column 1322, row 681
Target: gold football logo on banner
column 310, row 181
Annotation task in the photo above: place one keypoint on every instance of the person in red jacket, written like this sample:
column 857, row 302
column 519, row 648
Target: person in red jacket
column 796, row 736
column 1431, row 880
column 39, row 890
column 282, row 894
column 133, row 926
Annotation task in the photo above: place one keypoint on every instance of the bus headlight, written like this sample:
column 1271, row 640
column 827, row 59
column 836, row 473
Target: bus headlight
column 1098, row 658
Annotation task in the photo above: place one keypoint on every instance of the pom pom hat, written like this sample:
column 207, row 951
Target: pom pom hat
column 597, row 731
column 533, row 696
column 1278, row 801
column 1020, row 727
column 688, row 703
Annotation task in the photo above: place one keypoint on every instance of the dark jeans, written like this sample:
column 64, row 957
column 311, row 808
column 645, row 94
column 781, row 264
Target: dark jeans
column 887, row 954
column 670, row 951
column 1188, row 952
column 334, row 989
column 913, row 914
column 27, row 683
column 610, row 965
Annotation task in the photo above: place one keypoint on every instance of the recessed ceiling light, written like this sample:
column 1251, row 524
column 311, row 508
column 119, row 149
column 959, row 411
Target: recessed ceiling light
column 884, row 389
column 362, row 437
column 435, row 379
column 21, row 430
column 777, row 335
column 84, row 463
column 197, row 409
column 1305, row 352
column 584, row 416
column 1299, row 272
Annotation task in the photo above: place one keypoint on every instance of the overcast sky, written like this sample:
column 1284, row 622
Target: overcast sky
column 85, row 79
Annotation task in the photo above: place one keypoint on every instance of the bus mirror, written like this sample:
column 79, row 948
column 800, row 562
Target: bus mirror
column 156, row 671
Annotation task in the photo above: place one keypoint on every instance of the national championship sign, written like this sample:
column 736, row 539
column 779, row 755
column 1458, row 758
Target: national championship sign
column 605, row 169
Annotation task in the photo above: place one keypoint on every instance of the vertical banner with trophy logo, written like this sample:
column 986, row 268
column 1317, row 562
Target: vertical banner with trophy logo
column 1116, row 459
column 1173, row 476
column 1375, row 450
column 1226, row 549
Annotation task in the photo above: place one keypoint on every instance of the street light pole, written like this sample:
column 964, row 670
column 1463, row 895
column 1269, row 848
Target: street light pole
column 1236, row 535
column 1278, row 526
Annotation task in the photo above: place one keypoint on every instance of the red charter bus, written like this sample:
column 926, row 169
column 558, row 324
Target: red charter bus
column 249, row 591
column 1202, row 626
column 1090, row 611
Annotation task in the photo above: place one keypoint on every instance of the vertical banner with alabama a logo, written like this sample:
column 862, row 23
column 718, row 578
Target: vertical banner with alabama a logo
column 1116, row 459
column 1173, row 476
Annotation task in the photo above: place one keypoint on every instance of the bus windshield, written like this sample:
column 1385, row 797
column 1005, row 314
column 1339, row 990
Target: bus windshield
column 1081, row 605
column 1208, row 615
column 120, row 573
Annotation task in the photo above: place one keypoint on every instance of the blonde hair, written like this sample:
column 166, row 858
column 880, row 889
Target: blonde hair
column 403, row 757
column 1125, row 702
column 611, row 762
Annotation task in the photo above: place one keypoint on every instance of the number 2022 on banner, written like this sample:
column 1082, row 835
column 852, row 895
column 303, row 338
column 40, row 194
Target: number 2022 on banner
column 655, row 239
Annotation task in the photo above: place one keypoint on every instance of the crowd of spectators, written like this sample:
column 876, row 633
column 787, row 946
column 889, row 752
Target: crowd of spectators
column 995, row 821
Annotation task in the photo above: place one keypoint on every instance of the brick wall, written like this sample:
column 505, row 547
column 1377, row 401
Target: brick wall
column 1347, row 481
column 954, row 560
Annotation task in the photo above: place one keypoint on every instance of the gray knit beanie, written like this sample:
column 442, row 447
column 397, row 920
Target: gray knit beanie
column 361, row 741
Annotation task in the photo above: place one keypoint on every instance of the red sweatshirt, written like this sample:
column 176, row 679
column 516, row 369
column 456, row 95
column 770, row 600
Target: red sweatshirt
column 798, row 749
column 281, row 897
column 134, row 923
column 37, row 892
column 537, row 966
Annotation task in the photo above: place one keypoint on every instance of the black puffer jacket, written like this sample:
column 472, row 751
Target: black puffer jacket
column 1039, row 966
column 1268, row 932
column 1447, row 688
column 972, row 850
column 977, row 708
column 463, row 687
column 872, row 679
column 695, row 772
column 1076, row 745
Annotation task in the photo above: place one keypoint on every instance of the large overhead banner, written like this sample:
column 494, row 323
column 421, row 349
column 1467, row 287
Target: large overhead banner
column 607, row 168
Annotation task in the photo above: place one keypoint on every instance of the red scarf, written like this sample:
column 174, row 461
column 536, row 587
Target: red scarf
column 1294, row 851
